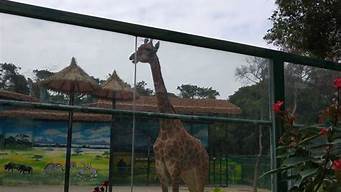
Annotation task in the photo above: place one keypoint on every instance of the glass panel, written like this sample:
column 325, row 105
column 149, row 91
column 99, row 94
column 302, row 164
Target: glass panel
column 235, row 153
column 33, row 50
column 220, row 83
column 309, row 91
column 208, row 82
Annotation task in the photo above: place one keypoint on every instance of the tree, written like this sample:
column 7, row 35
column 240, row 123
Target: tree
column 307, row 27
column 42, row 74
column 11, row 79
column 195, row 92
column 256, row 71
column 142, row 90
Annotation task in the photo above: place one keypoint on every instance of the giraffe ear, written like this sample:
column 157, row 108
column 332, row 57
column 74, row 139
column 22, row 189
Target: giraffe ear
column 145, row 41
column 157, row 45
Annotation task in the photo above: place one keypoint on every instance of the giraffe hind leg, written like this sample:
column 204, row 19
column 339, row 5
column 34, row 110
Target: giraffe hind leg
column 193, row 180
column 163, row 175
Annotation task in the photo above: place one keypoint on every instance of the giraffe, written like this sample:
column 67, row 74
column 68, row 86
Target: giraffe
column 178, row 155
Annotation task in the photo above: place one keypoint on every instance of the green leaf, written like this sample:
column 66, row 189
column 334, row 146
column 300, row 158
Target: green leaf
column 308, row 172
column 293, row 161
column 308, row 139
column 278, row 170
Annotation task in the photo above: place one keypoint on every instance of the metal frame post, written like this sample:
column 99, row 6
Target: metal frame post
column 276, row 93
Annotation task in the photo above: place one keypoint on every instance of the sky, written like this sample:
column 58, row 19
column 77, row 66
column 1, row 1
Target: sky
column 33, row 44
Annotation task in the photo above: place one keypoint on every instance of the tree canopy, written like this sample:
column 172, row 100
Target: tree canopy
column 194, row 92
column 142, row 90
column 307, row 27
column 11, row 79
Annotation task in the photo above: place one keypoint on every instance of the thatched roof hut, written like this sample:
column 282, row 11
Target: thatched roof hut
column 182, row 106
column 71, row 79
column 115, row 87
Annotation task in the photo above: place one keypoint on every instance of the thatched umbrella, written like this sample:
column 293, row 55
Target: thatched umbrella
column 70, row 80
column 114, row 88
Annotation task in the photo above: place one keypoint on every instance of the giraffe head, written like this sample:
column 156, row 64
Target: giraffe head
column 146, row 52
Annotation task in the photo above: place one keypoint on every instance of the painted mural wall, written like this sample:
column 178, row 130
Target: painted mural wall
column 38, row 147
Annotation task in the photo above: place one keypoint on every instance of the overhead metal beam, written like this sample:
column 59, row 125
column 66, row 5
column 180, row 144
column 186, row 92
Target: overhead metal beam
column 48, row 14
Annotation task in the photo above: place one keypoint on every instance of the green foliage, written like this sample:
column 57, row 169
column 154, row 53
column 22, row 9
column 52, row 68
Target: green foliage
column 252, row 101
column 11, row 79
column 217, row 189
column 307, row 27
column 195, row 92
column 307, row 154
column 142, row 90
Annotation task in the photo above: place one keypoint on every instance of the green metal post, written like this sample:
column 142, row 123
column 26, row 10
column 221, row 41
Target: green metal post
column 214, row 158
column 209, row 169
column 277, row 93
column 226, row 170
column 220, row 169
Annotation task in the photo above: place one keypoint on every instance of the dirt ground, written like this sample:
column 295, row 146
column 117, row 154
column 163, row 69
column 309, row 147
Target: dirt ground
column 115, row 189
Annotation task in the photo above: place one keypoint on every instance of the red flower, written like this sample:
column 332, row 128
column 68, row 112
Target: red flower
column 105, row 183
column 337, row 83
column 277, row 106
column 337, row 165
column 324, row 131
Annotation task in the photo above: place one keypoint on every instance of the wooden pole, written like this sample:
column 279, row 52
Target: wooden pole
column 68, row 145
column 111, row 157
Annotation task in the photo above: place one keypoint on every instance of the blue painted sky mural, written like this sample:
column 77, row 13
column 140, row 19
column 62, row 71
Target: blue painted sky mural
column 90, row 134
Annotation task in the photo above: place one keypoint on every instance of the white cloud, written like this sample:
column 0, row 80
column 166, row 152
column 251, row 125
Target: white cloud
column 53, row 132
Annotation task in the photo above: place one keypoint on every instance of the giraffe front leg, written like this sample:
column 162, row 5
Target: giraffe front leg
column 175, row 184
column 174, row 171
column 162, row 174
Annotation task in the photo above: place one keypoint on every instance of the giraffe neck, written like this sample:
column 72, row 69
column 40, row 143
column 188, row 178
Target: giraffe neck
column 163, row 102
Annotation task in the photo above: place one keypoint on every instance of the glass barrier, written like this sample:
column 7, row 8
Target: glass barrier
column 233, row 153
column 204, row 81
column 208, row 82
column 199, row 81
column 31, row 52
column 309, row 91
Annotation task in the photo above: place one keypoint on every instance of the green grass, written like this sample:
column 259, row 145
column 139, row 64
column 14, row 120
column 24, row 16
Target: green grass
column 95, row 158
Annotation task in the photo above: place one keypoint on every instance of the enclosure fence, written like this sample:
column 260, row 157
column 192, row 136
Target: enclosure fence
column 219, row 168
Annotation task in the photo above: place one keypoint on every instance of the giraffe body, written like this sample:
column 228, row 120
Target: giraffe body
column 178, row 155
